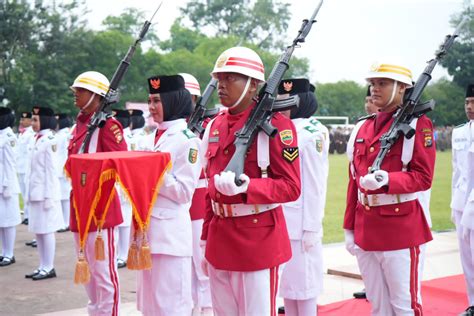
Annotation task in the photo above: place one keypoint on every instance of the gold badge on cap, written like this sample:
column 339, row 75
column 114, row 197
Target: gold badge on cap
column 36, row 110
column 155, row 83
column 221, row 61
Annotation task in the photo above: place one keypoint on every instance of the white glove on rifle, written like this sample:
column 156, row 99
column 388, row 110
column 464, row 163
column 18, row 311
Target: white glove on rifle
column 225, row 183
column 374, row 181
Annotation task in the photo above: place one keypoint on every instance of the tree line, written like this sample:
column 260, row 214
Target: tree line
column 44, row 45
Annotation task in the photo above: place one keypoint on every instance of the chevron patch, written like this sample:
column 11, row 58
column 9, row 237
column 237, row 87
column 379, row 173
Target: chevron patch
column 290, row 153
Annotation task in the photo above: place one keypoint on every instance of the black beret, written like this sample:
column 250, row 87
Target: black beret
column 162, row 84
column 5, row 111
column 135, row 112
column 120, row 113
column 293, row 86
column 470, row 91
column 42, row 111
column 25, row 114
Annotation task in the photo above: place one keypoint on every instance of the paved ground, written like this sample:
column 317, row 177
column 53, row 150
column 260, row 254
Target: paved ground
column 59, row 296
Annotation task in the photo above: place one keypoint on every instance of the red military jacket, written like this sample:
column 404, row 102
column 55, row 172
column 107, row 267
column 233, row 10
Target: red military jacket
column 396, row 226
column 198, row 204
column 110, row 139
column 253, row 242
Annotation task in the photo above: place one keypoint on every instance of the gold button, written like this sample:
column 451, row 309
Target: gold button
column 368, row 169
column 397, row 210
column 255, row 221
column 218, row 195
column 73, row 144
column 226, row 152
column 371, row 149
column 367, row 208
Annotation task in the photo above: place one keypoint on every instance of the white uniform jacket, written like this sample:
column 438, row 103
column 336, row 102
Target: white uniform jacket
column 170, row 227
column 463, row 173
column 307, row 212
column 138, row 140
column 42, row 174
column 25, row 140
column 8, row 168
column 63, row 136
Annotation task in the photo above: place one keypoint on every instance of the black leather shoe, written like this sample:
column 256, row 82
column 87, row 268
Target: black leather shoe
column 25, row 221
column 34, row 244
column 360, row 294
column 121, row 264
column 468, row 312
column 7, row 261
column 44, row 275
column 281, row 310
column 32, row 274
column 63, row 230
column 31, row 242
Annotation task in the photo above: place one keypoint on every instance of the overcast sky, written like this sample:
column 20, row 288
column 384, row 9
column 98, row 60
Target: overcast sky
column 348, row 37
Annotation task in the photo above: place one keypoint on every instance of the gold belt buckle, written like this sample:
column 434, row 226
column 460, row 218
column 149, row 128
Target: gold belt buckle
column 366, row 202
column 375, row 200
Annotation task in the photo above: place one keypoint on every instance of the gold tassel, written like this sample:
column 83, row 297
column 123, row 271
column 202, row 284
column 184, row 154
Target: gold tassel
column 132, row 260
column 145, row 254
column 99, row 247
column 82, row 274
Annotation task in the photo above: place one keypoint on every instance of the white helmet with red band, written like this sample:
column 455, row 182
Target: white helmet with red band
column 240, row 60
column 392, row 71
column 191, row 84
column 93, row 81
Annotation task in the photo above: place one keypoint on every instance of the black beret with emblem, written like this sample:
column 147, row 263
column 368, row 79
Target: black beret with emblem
column 162, row 84
column 25, row 115
column 64, row 120
column 470, row 91
column 5, row 111
column 42, row 111
column 293, row 86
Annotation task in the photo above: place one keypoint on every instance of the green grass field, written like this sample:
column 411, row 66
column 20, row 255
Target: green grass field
column 337, row 187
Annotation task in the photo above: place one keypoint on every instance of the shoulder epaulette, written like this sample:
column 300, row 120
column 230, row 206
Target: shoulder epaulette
column 189, row 134
column 366, row 117
column 460, row 125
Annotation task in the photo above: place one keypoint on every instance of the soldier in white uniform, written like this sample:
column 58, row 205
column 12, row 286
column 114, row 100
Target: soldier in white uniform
column 26, row 135
column 63, row 135
column 43, row 190
column 9, row 187
column 123, row 116
column 166, row 288
column 462, row 200
column 302, row 278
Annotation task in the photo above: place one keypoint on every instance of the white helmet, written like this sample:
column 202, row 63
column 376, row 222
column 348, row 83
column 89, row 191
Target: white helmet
column 240, row 60
column 93, row 81
column 191, row 84
column 391, row 71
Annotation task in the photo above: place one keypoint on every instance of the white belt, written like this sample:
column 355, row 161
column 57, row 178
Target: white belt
column 236, row 210
column 385, row 199
column 202, row 183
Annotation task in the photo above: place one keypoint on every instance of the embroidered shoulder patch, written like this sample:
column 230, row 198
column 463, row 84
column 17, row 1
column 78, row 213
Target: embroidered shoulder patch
column 12, row 143
column 286, row 137
column 319, row 145
column 290, row 153
column 428, row 141
column 193, row 155
column 54, row 148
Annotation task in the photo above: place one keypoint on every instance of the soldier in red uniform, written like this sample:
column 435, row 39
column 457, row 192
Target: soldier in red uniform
column 384, row 223
column 103, row 288
column 244, row 234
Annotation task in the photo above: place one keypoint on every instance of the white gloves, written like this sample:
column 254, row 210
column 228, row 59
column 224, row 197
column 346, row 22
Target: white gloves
column 6, row 192
column 374, row 181
column 309, row 240
column 225, row 183
column 204, row 263
column 48, row 203
column 349, row 239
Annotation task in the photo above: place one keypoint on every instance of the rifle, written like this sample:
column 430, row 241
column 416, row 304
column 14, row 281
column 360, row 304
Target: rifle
column 261, row 114
column 200, row 112
column 101, row 114
column 411, row 109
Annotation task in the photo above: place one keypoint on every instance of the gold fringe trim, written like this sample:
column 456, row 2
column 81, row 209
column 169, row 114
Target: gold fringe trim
column 132, row 260
column 145, row 255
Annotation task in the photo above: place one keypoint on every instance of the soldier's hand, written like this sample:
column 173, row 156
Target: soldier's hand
column 309, row 240
column 374, row 181
column 225, row 183
column 349, row 240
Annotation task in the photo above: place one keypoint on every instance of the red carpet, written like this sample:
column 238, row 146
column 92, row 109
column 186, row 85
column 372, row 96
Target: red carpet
column 444, row 296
